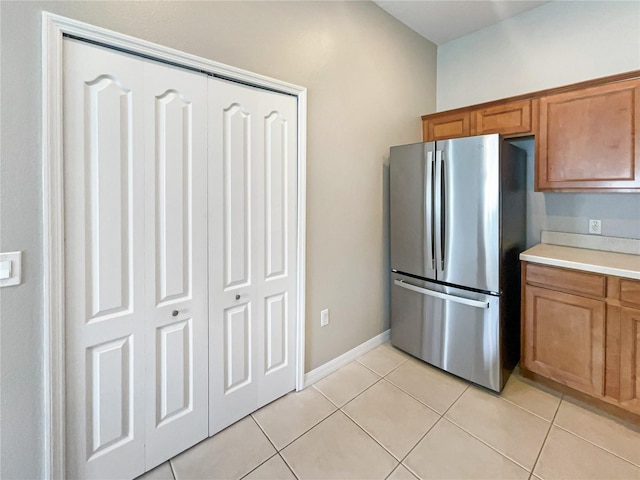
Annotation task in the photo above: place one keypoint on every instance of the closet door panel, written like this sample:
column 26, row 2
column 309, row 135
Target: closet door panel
column 252, row 155
column 104, row 188
column 277, row 294
column 176, row 260
column 232, row 225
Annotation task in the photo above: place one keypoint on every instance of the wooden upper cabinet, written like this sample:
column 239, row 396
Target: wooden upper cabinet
column 589, row 139
column 506, row 118
column 449, row 125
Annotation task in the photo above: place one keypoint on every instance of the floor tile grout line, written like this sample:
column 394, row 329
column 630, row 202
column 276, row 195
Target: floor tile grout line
column 524, row 408
column 372, row 438
column 546, row 437
column 263, row 432
column 596, row 445
column 288, row 466
column 429, row 430
column 512, row 460
column 320, row 392
column 308, row 430
column 378, row 373
column 421, row 401
column 414, row 447
column 173, row 472
column 258, row 466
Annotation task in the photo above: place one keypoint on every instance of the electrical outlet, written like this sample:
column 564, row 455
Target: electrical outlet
column 324, row 317
column 595, row 227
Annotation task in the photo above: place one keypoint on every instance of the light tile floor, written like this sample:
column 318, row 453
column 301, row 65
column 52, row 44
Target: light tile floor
column 388, row 415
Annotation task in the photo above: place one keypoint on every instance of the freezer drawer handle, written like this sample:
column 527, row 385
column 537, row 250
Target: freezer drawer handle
column 443, row 296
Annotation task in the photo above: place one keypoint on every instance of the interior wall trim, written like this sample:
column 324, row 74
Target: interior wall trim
column 331, row 366
column 54, row 27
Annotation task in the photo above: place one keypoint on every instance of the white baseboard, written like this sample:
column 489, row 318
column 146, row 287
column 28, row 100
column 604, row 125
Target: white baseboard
column 331, row 366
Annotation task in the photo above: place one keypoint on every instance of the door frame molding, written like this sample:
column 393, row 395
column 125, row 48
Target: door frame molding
column 54, row 27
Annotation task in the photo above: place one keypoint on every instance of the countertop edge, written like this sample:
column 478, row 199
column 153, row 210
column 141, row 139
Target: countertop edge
column 576, row 265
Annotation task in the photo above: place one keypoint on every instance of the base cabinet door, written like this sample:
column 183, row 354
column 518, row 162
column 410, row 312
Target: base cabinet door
column 623, row 358
column 565, row 338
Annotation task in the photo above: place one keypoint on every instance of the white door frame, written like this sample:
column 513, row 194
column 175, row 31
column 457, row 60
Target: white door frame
column 54, row 27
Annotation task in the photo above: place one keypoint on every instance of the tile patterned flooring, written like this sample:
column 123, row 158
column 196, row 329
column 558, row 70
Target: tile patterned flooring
column 389, row 416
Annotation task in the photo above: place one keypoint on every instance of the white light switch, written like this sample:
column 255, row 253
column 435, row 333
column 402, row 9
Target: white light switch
column 10, row 269
column 5, row 270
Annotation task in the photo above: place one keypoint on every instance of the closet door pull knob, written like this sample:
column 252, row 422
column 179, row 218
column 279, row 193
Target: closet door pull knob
column 175, row 313
column 237, row 297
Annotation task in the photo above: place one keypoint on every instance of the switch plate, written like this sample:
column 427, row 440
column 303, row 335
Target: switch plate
column 11, row 267
column 595, row 227
column 324, row 317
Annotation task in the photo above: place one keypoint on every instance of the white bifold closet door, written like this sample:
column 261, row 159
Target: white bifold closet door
column 252, row 254
column 135, row 261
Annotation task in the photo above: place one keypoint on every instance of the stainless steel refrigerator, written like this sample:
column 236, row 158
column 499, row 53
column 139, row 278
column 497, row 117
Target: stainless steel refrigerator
column 457, row 227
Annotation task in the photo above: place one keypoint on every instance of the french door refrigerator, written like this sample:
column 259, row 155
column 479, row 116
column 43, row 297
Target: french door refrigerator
column 457, row 219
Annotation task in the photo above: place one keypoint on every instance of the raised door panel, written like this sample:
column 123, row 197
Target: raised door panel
column 176, row 252
column 104, row 245
column 565, row 338
column 506, row 119
column 590, row 139
column 442, row 127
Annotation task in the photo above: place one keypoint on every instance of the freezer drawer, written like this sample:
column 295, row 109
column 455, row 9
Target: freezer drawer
column 453, row 329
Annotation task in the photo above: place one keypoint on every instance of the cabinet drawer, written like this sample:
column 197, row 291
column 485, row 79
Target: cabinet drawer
column 630, row 292
column 571, row 281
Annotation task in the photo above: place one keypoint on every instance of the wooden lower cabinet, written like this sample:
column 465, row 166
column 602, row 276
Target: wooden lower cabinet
column 565, row 338
column 580, row 335
column 623, row 357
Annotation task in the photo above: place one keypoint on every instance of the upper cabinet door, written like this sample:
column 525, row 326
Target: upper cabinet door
column 589, row 139
column 512, row 118
column 448, row 125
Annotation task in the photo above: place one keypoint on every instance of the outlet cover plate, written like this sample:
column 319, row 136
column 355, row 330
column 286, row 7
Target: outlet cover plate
column 595, row 227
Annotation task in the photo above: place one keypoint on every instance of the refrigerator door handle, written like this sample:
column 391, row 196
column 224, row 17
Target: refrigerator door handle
column 428, row 212
column 443, row 296
column 439, row 210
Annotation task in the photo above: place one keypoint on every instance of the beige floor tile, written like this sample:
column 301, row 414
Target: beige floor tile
column 232, row 453
column 290, row 416
column 393, row 418
column 272, row 469
column 566, row 456
column 346, row 383
column 448, row 452
column 161, row 472
column 338, row 449
column 382, row 360
column 431, row 386
column 504, row 426
column 597, row 428
column 401, row 473
column 535, row 400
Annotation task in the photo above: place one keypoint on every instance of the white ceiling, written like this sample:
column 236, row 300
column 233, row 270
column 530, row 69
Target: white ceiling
column 443, row 20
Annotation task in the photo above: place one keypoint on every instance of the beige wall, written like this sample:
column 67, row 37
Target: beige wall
column 369, row 79
column 556, row 44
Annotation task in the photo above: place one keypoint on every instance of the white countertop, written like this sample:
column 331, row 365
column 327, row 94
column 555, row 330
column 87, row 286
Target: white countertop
column 597, row 261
